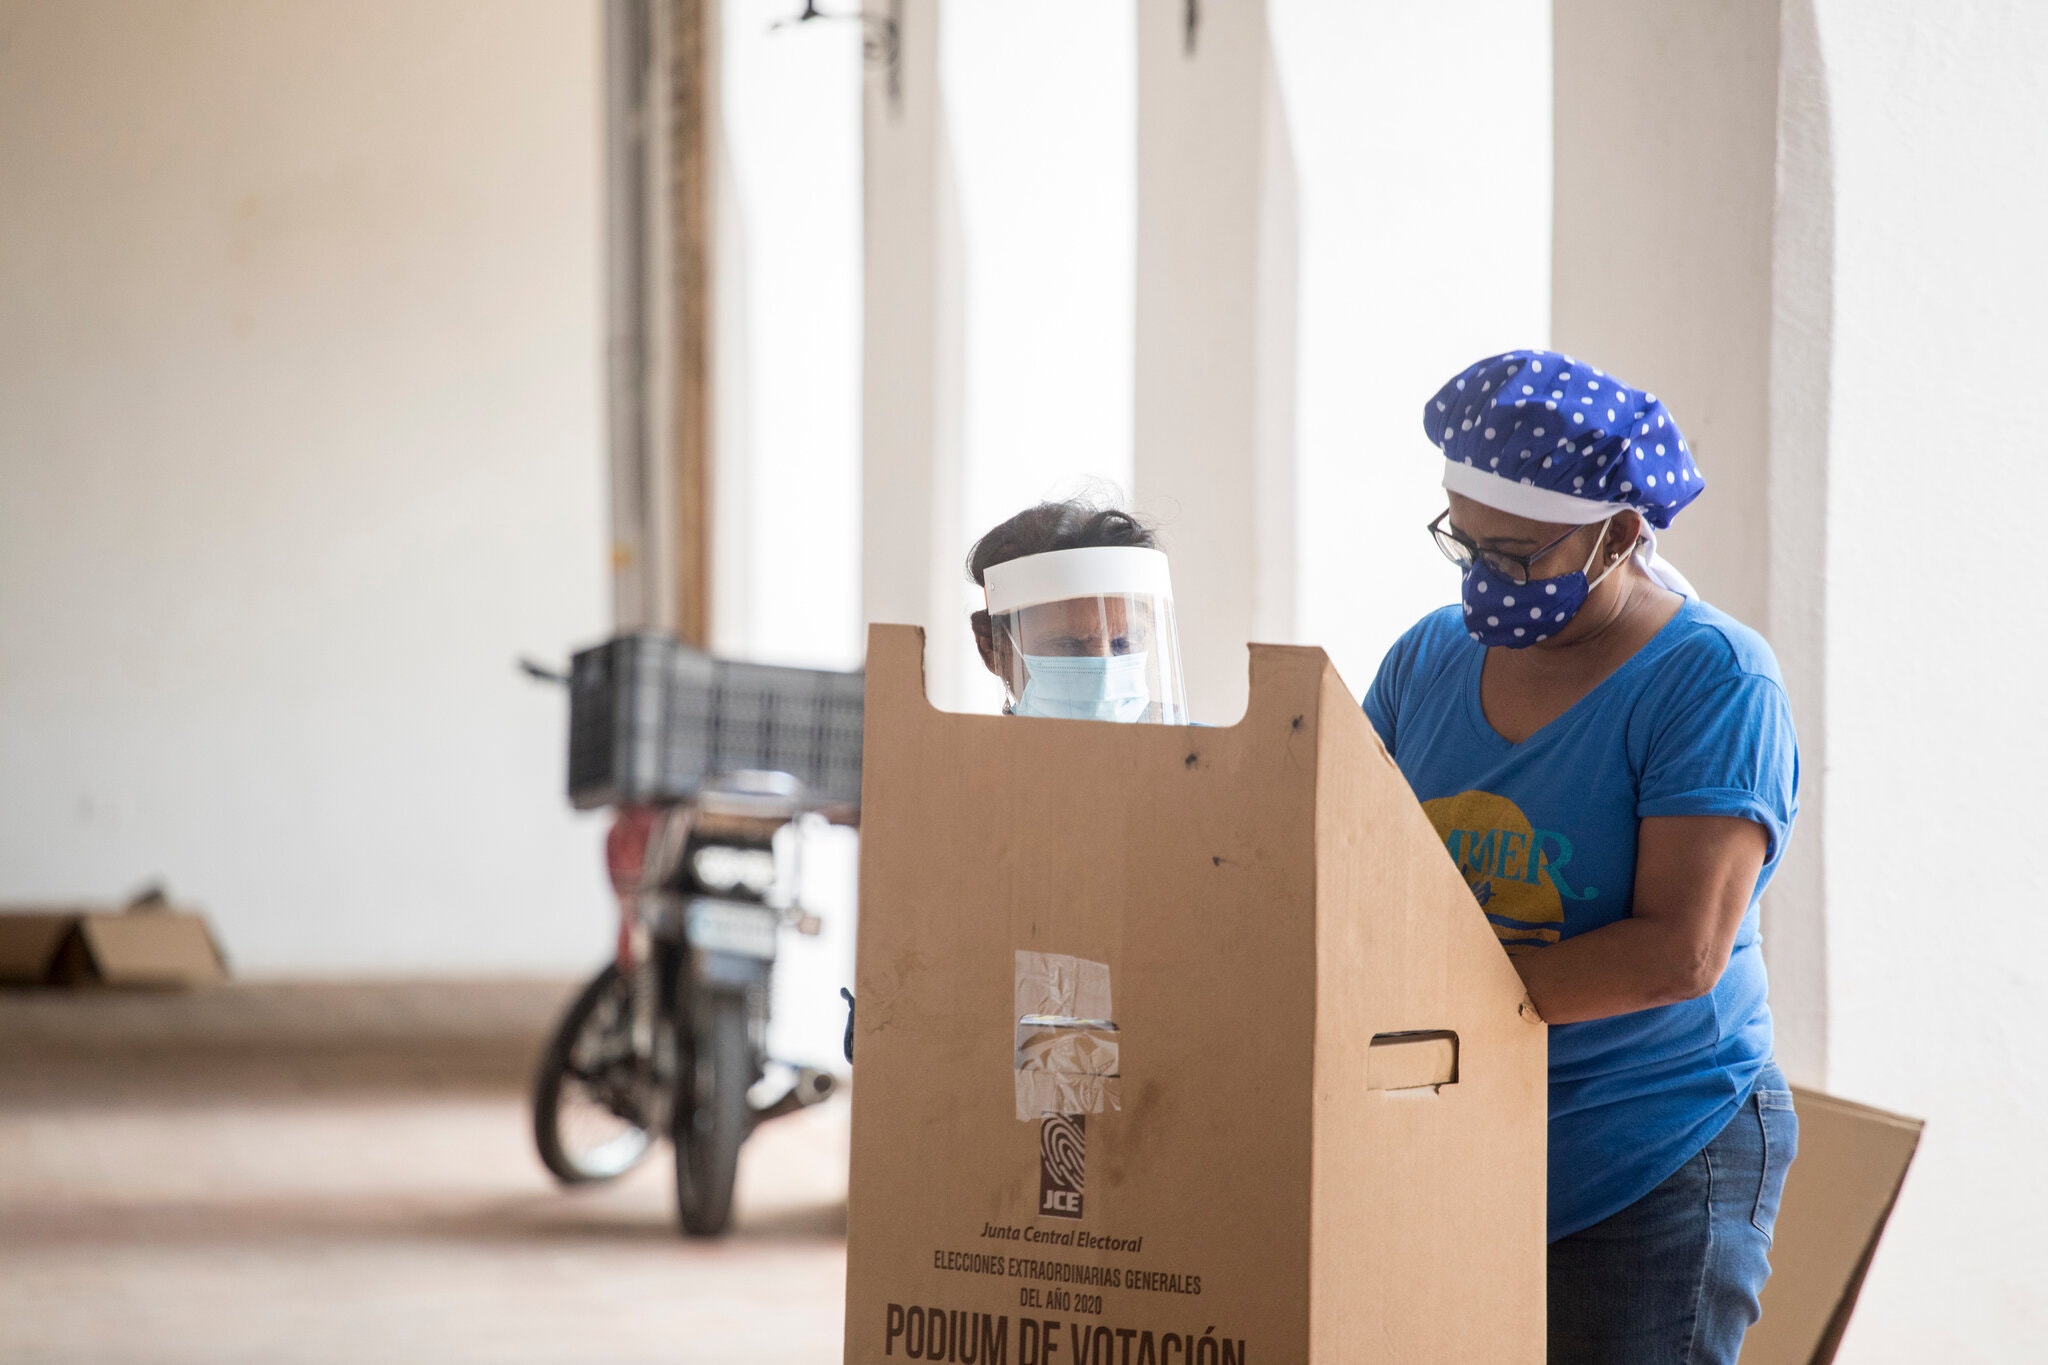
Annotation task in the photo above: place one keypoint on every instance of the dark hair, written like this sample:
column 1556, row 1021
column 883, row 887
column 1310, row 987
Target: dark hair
column 1075, row 524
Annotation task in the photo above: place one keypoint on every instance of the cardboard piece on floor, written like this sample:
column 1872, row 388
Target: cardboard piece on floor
column 146, row 945
column 29, row 940
column 1838, row 1195
column 1282, row 1101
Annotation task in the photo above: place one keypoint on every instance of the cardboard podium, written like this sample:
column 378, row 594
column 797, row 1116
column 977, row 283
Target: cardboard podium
column 1179, row 1045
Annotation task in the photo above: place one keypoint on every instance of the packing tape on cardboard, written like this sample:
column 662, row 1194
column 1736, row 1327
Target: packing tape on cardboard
column 1066, row 1046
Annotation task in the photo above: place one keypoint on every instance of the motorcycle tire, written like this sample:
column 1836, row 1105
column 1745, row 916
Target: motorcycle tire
column 568, row 1161
column 714, row 1071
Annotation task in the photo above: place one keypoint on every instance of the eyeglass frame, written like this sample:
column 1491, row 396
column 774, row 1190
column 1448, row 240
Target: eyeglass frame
column 1525, row 564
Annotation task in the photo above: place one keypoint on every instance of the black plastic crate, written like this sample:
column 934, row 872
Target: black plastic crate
column 805, row 722
column 618, row 715
column 652, row 720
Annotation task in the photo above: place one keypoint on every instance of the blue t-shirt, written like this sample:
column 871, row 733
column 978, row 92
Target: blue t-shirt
column 1545, row 833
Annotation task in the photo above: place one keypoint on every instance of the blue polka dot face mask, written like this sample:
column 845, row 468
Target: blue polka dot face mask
column 1500, row 612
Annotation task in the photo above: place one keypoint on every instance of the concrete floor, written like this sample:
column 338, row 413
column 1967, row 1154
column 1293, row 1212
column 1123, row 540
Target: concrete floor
column 284, row 1174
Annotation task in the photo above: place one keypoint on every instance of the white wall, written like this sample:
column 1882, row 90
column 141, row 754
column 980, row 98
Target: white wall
column 1422, row 149
column 299, row 446
column 1937, row 734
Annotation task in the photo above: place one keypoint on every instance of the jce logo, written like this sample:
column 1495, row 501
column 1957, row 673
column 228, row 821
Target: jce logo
column 1062, row 1164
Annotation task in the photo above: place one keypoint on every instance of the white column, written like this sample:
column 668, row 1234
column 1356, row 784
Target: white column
column 1665, row 226
column 1937, row 735
column 787, row 477
column 1666, row 142
column 642, row 586
column 1795, row 514
column 729, row 491
column 912, row 543
column 1215, row 323
column 1041, row 101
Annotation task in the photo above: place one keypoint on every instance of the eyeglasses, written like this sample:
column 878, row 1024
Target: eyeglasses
column 1462, row 550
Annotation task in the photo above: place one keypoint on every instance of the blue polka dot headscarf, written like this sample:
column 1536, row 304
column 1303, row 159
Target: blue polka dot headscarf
column 1544, row 436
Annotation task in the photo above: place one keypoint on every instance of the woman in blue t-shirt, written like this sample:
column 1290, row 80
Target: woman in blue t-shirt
column 1611, row 763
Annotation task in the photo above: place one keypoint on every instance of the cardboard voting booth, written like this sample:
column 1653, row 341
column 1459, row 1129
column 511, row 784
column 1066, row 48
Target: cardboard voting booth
column 1179, row 1045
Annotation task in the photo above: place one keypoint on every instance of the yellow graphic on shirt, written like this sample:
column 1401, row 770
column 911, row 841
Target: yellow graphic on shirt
column 1516, row 871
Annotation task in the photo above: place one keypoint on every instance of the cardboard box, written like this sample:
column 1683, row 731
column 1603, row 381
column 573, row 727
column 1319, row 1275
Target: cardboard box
column 29, row 940
column 1838, row 1195
column 1179, row 1045
column 148, row 944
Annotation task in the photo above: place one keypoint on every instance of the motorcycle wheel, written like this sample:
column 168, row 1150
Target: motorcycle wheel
column 714, row 1070
column 586, row 1077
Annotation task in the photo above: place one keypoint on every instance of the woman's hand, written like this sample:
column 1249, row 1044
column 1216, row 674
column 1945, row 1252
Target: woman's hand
column 1694, row 878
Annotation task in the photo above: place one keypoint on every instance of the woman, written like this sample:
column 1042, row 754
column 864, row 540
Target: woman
column 1611, row 763
column 1078, row 621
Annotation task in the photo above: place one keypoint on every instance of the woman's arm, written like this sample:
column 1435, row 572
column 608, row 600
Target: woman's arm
column 1694, row 877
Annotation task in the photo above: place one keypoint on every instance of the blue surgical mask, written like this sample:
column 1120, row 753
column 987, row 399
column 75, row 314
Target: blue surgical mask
column 1500, row 612
column 1085, row 687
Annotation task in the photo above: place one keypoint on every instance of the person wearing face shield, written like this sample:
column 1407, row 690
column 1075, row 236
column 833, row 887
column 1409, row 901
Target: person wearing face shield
column 1611, row 764
column 1079, row 617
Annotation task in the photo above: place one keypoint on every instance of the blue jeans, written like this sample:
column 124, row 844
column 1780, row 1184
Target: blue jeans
column 1673, row 1278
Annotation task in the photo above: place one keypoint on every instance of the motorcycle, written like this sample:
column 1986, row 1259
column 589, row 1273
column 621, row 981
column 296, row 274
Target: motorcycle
column 670, row 1038
column 715, row 768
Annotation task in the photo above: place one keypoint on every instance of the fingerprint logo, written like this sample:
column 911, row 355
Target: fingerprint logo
column 1062, row 1165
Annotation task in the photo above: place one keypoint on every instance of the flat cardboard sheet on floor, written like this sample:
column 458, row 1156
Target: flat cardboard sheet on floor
column 1282, row 1101
column 1838, row 1196
column 142, row 946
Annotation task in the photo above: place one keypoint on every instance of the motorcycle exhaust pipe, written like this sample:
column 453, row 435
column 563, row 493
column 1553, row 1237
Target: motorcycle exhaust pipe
column 812, row 1087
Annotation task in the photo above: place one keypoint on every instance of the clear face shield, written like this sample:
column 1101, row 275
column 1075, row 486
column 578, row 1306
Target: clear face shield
column 1088, row 634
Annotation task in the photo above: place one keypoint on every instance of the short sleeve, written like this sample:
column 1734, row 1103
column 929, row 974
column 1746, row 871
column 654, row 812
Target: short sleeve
column 1383, row 698
column 1727, row 749
column 1412, row 667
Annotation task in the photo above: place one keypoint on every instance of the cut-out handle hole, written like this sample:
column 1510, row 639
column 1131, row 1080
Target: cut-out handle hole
column 1416, row 1059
